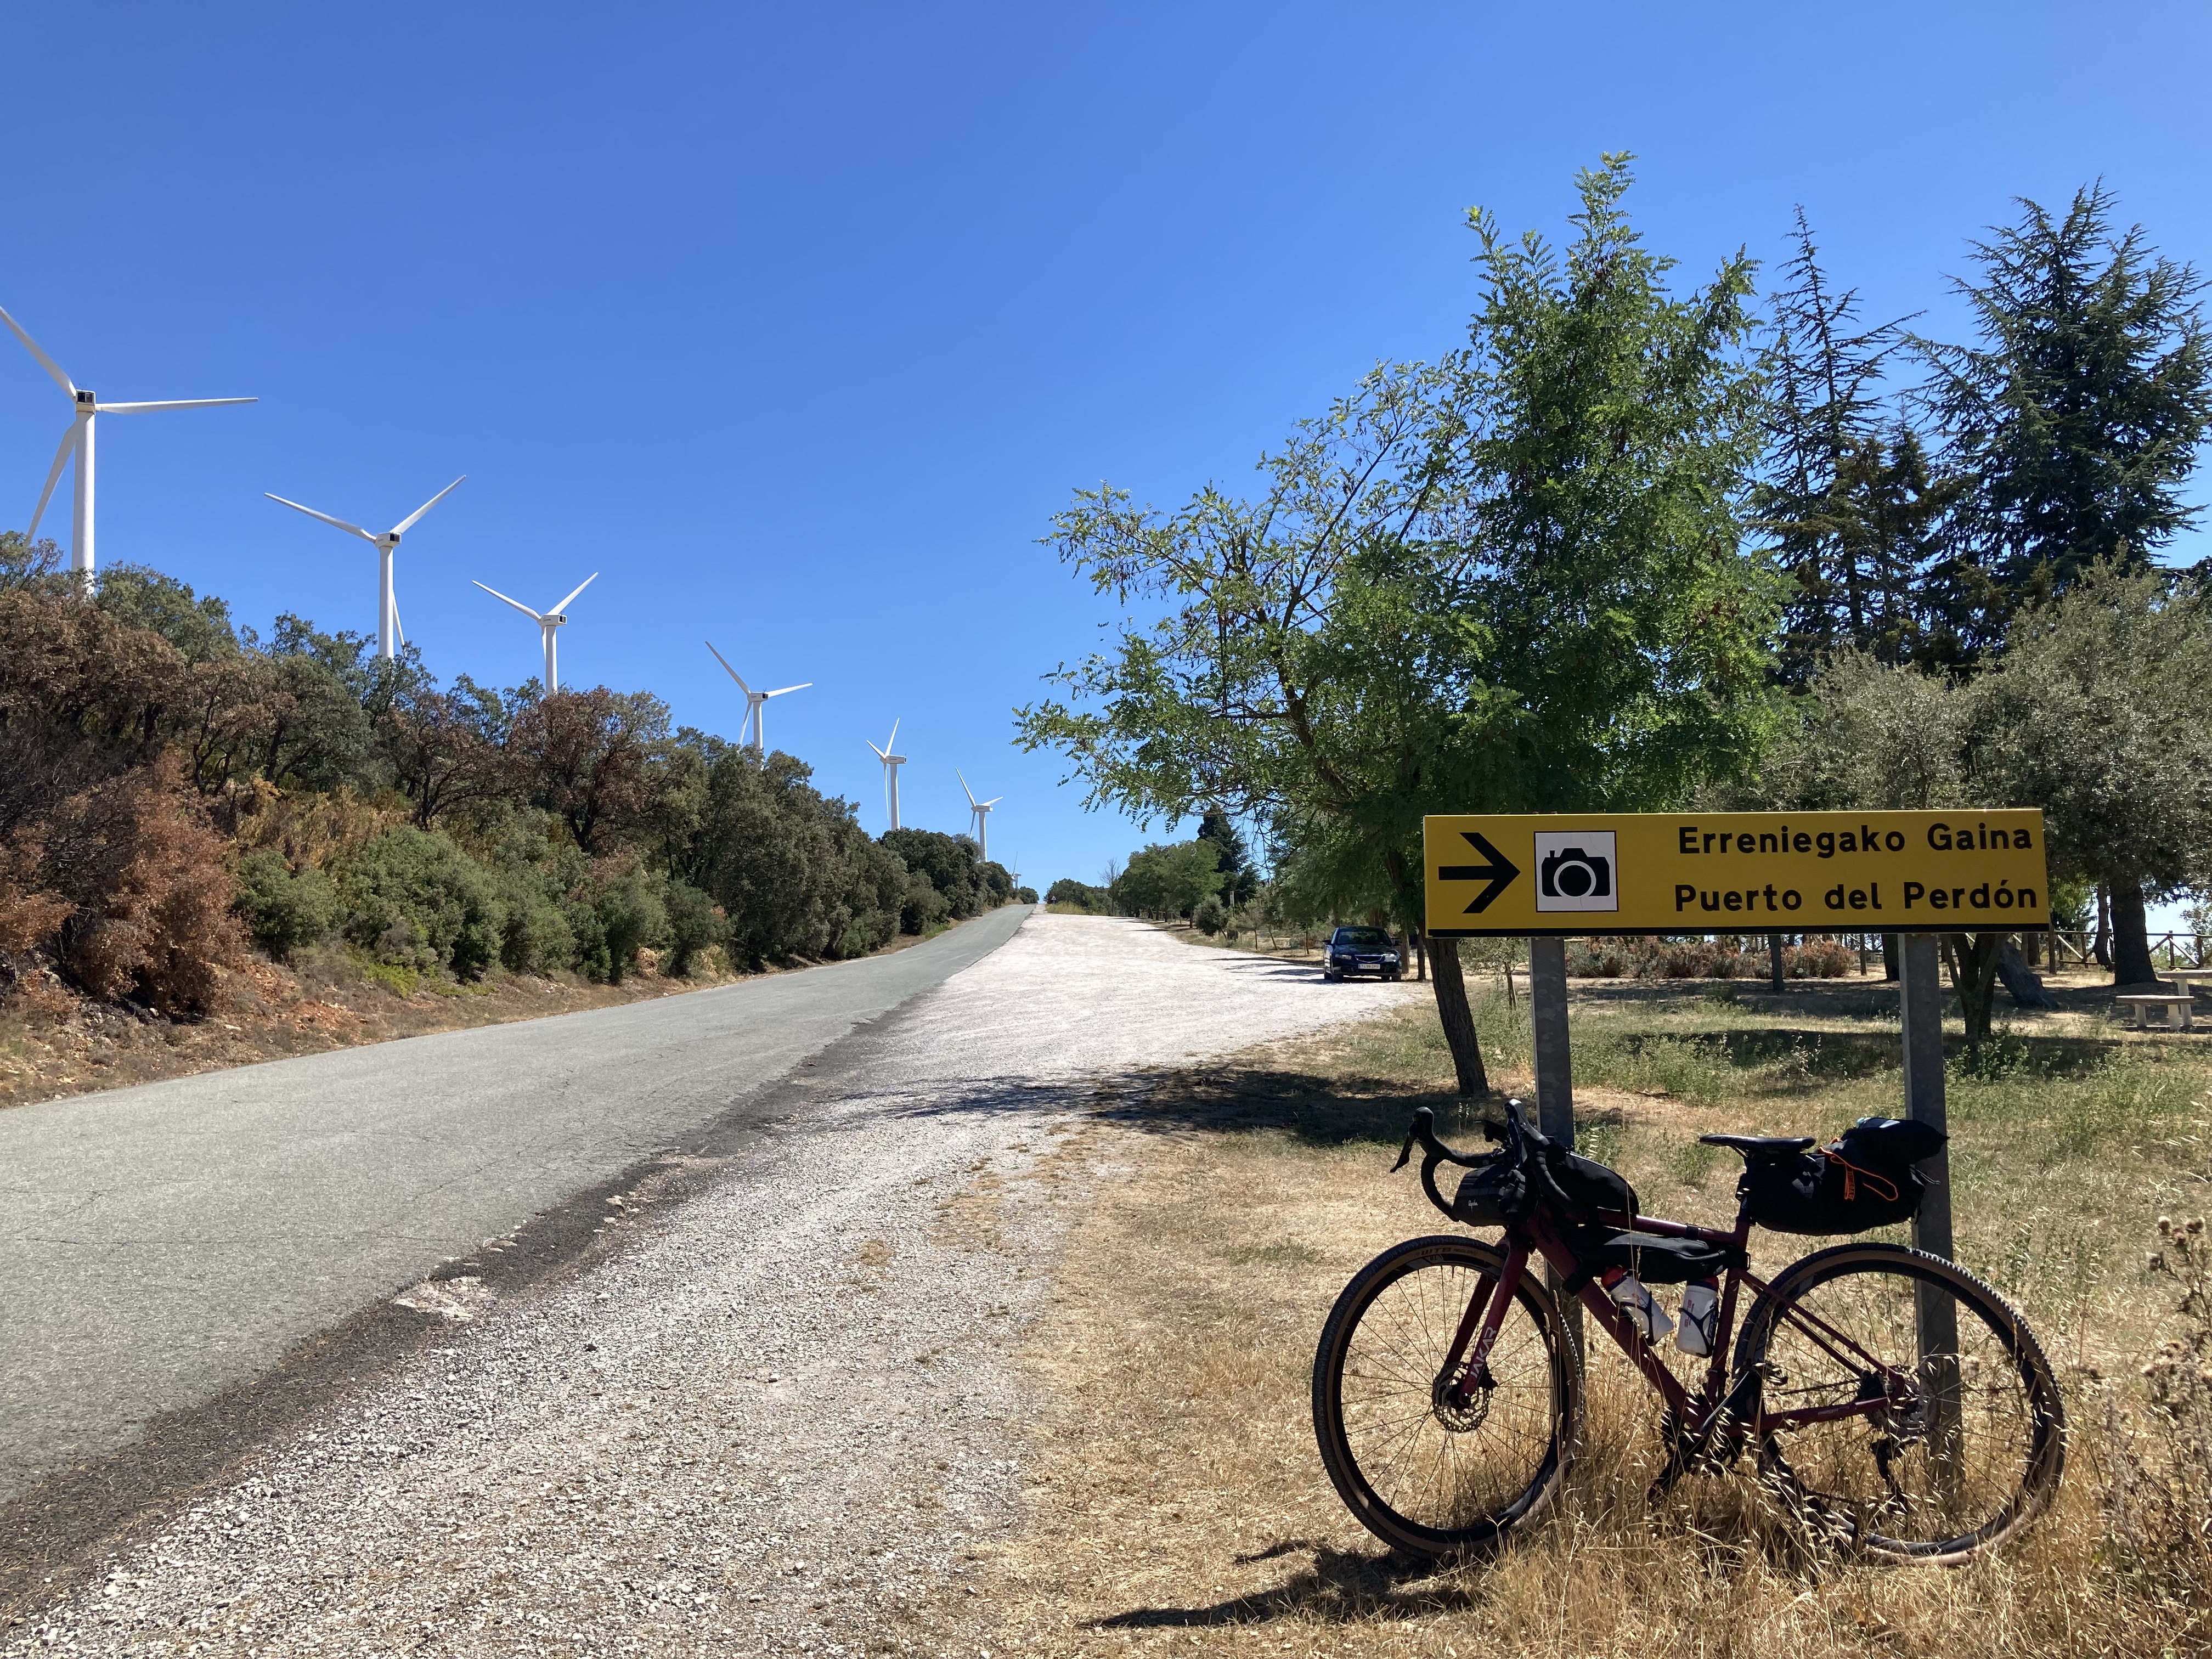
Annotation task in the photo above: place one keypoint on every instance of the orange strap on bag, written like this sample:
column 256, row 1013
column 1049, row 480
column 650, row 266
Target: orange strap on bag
column 1853, row 1174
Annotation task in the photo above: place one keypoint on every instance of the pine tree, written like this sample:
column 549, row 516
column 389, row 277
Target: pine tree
column 1833, row 499
column 2077, row 415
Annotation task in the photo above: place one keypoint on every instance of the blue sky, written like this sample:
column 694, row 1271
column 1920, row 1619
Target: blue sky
column 799, row 323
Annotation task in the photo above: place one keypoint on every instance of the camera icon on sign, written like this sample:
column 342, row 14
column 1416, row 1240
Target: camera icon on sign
column 1575, row 871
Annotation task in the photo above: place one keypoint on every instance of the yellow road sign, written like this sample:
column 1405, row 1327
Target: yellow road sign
column 1735, row 872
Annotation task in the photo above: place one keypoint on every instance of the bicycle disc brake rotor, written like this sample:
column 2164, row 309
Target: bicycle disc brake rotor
column 1462, row 1417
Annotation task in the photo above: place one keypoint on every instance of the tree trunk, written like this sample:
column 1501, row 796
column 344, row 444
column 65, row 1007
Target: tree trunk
column 1890, row 958
column 2102, row 950
column 2132, row 964
column 1973, row 962
column 1452, row 1010
column 1774, row 961
column 2022, row 980
column 1458, row 1021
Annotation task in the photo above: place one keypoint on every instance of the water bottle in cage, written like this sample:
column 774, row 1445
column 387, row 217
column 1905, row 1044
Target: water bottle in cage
column 1630, row 1296
column 1701, row 1316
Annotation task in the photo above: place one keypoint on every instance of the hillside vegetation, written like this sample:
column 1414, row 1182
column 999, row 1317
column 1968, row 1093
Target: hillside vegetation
column 178, row 796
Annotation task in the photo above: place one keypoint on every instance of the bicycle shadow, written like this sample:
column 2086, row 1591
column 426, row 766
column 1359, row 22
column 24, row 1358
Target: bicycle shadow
column 1340, row 1587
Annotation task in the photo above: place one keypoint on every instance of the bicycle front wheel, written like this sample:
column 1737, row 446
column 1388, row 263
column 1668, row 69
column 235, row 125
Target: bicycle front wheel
column 1423, row 1472
column 1968, row 1443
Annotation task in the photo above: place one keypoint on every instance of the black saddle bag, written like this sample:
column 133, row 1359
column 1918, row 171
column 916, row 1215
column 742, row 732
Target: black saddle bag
column 1864, row 1178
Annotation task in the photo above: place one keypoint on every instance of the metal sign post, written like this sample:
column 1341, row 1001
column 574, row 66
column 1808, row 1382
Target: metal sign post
column 1555, row 1085
column 1935, row 1318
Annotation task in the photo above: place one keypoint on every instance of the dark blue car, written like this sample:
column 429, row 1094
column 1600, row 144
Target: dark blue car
column 1361, row 951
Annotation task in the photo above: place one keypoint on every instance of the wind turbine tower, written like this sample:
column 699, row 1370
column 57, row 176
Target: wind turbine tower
column 388, row 638
column 548, row 623
column 980, row 811
column 757, row 707
column 78, row 440
column 891, row 764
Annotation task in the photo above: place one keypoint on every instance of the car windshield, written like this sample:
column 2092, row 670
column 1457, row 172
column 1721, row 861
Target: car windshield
column 1363, row 939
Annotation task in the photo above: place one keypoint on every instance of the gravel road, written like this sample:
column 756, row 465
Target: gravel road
column 774, row 1417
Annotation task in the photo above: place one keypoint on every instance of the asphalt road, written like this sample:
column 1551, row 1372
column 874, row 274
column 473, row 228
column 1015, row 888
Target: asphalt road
column 158, row 1244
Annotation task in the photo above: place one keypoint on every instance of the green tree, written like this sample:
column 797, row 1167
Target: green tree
column 2077, row 415
column 1828, row 472
column 1161, row 881
column 1514, row 580
column 2081, row 719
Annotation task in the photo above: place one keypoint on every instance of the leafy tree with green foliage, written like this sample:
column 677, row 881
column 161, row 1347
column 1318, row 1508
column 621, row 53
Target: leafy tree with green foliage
column 1161, row 881
column 2081, row 716
column 1098, row 900
column 199, row 628
column 2077, row 415
column 1515, row 581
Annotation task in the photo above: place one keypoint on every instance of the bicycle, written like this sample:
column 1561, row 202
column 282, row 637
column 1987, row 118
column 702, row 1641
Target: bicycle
column 1447, row 1392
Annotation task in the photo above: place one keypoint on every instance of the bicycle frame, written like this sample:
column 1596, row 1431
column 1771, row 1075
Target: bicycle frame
column 1700, row 1414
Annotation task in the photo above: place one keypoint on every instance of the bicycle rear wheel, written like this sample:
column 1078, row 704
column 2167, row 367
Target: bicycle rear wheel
column 1969, row 1455
column 1423, row 1474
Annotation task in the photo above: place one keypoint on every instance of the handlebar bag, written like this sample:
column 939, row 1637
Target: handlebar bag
column 1864, row 1178
column 1495, row 1196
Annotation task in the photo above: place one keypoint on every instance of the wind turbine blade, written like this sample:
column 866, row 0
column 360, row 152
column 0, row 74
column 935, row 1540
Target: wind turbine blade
column 993, row 801
column 409, row 522
column 581, row 586
column 517, row 604
column 880, row 754
column 781, row 690
column 965, row 789
column 45, row 361
column 188, row 403
column 734, row 675
column 61, row 460
column 355, row 528
column 399, row 634
column 891, row 742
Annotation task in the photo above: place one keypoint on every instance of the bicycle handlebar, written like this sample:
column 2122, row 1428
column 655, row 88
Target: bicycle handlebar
column 1515, row 1133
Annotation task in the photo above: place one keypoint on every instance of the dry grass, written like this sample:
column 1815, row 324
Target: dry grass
column 1179, row 1505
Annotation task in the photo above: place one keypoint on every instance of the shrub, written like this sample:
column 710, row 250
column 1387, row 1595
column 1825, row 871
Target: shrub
column 1207, row 915
column 414, row 899
column 282, row 910
column 630, row 913
column 695, row 926
column 151, row 889
column 921, row 906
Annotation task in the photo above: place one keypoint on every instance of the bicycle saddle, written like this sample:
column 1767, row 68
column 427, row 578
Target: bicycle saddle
column 1760, row 1145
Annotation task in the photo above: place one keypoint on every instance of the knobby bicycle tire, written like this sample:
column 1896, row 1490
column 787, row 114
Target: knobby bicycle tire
column 1978, row 1460
column 1422, row 1475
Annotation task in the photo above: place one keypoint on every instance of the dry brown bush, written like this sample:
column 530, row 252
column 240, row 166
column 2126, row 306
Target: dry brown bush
column 149, row 887
column 309, row 829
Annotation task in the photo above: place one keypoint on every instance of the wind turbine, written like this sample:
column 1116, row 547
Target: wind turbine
column 79, row 438
column 891, row 764
column 756, row 705
column 387, row 603
column 547, row 621
column 980, row 811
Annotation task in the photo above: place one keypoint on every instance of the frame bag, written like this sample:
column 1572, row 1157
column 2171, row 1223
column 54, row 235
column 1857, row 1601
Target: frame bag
column 1864, row 1178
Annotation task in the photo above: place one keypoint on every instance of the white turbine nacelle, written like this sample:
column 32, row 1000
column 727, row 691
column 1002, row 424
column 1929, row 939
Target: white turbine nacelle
column 78, row 442
column 388, row 639
column 757, row 704
column 891, row 764
column 548, row 622
column 980, row 813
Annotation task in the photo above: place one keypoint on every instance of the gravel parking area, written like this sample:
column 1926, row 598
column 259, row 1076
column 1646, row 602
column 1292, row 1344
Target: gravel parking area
column 775, row 1417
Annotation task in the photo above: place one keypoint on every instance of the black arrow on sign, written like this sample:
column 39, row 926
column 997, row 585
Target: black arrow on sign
column 1500, row 872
